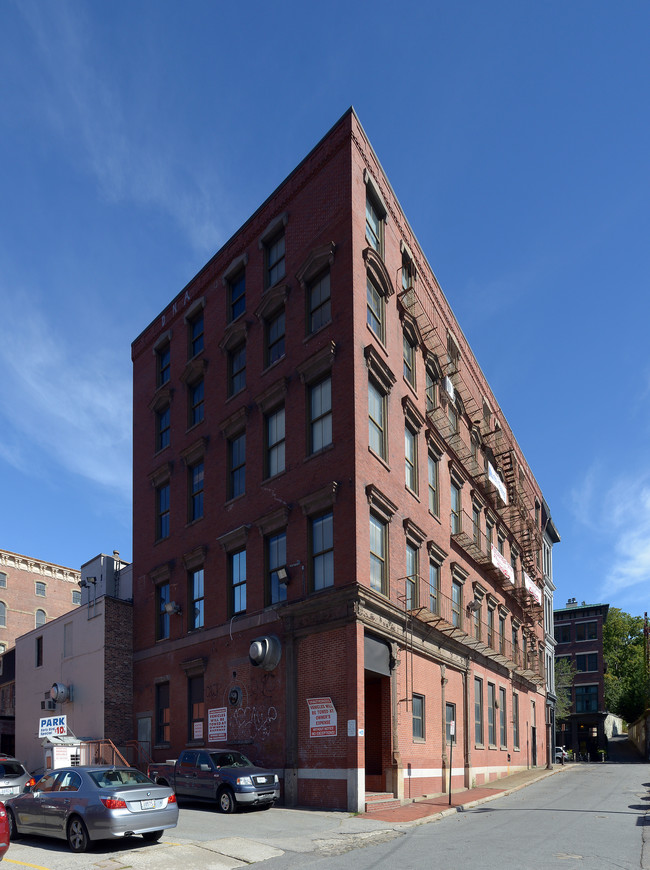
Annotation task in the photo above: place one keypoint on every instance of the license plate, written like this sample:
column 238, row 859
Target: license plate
column 7, row 791
column 148, row 805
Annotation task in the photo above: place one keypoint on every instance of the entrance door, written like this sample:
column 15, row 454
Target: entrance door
column 533, row 746
column 377, row 730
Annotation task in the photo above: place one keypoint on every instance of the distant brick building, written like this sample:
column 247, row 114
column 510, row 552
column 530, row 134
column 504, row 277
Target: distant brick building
column 337, row 539
column 32, row 592
column 579, row 638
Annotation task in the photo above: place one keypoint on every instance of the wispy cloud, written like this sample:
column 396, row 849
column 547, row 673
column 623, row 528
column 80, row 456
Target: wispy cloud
column 62, row 404
column 617, row 513
column 123, row 137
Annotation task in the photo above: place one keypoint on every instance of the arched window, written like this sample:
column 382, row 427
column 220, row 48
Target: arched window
column 40, row 618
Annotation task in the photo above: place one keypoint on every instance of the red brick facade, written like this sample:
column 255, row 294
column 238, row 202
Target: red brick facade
column 31, row 589
column 354, row 618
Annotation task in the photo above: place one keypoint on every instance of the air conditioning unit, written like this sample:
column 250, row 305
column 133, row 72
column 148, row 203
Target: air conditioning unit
column 48, row 705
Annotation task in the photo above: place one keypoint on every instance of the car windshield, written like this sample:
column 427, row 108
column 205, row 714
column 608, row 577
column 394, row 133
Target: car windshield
column 118, row 777
column 230, row 759
column 11, row 768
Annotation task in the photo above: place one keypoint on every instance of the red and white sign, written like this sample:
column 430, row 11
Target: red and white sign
column 322, row 717
column 217, row 724
column 532, row 589
column 500, row 562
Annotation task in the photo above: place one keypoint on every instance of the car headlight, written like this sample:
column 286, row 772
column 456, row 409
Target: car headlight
column 244, row 780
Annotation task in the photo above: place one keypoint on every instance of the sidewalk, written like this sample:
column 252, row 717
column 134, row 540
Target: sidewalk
column 422, row 808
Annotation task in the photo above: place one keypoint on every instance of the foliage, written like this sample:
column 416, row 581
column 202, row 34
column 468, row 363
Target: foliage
column 564, row 673
column 626, row 679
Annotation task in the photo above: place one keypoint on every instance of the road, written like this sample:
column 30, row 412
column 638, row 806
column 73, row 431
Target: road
column 591, row 817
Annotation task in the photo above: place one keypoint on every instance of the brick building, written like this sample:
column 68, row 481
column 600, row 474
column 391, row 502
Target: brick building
column 579, row 638
column 88, row 651
column 329, row 505
column 32, row 592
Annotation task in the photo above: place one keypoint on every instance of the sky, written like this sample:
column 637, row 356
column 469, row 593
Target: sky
column 136, row 137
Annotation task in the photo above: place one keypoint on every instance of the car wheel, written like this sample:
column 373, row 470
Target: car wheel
column 152, row 836
column 226, row 801
column 78, row 839
column 14, row 833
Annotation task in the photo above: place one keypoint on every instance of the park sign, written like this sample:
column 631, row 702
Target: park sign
column 53, row 726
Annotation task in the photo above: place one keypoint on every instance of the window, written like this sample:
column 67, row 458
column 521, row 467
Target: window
column 320, row 309
column 162, row 616
column 502, row 634
column 478, row 711
column 276, row 558
column 490, row 627
column 237, row 462
column 196, row 492
column 40, row 589
column 3, row 580
column 196, row 707
column 586, row 699
column 452, row 417
column 375, row 216
column 411, row 459
column 587, row 662
column 237, row 292
column 3, row 614
column 476, row 616
column 515, row 644
column 275, row 434
column 455, row 509
column 195, row 334
column 238, row 581
column 503, row 733
column 412, row 577
column 434, row 587
column 563, row 633
column 163, row 428
column 515, row 720
column 434, row 502
column 489, row 535
column 476, row 524
column 375, row 309
column 76, row 596
column 197, row 600
column 320, row 415
column 237, row 369
column 163, row 717
column 275, row 259
column 409, row 360
column 456, row 603
column 430, row 391
column 197, row 395
column 378, row 548
column 162, row 512
column 163, row 363
column 38, row 650
column 586, row 630
column 275, row 330
column 322, row 542
column 377, row 420
column 491, row 701
column 418, row 717
column 41, row 618
column 450, row 723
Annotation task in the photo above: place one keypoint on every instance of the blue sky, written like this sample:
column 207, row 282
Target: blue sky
column 136, row 137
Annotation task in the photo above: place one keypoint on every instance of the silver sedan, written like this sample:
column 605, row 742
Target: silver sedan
column 84, row 804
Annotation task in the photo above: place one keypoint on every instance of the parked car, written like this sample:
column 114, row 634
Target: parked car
column 4, row 831
column 561, row 754
column 84, row 804
column 13, row 776
column 227, row 777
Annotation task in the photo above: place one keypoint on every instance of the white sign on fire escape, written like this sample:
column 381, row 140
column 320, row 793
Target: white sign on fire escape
column 494, row 479
column 500, row 562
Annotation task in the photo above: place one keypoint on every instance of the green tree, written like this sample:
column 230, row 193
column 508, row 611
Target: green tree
column 626, row 679
column 564, row 673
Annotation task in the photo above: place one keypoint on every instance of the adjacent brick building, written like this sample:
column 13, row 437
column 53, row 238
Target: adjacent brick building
column 337, row 539
column 32, row 592
column 579, row 638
